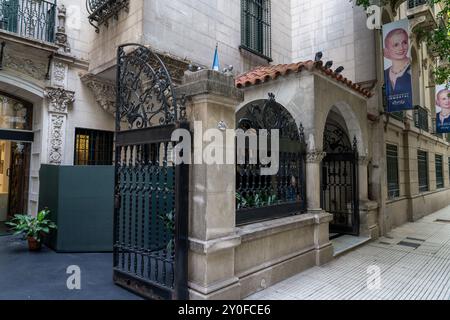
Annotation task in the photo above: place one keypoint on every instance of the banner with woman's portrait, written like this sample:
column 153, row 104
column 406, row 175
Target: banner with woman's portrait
column 442, row 109
column 397, row 66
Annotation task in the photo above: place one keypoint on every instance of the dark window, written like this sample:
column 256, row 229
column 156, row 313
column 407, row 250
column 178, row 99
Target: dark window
column 392, row 171
column 422, row 161
column 421, row 118
column 93, row 147
column 255, row 27
column 439, row 172
column 415, row 3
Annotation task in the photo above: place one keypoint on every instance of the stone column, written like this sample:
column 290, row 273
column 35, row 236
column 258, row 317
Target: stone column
column 58, row 103
column 322, row 244
column 368, row 210
column 211, row 102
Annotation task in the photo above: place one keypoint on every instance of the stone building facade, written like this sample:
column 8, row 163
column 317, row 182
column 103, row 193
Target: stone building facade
column 68, row 77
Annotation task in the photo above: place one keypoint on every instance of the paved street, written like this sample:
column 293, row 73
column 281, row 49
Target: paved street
column 414, row 260
column 26, row 275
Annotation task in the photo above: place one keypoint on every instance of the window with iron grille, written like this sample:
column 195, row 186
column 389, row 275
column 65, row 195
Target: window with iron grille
column 422, row 161
column 392, row 171
column 256, row 27
column 439, row 172
column 93, row 147
column 421, row 118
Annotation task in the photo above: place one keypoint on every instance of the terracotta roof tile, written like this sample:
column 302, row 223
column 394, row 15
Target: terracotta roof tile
column 264, row 74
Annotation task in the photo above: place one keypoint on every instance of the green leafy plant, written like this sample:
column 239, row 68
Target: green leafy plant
column 168, row 220
column 32, row 227
column 260, row 199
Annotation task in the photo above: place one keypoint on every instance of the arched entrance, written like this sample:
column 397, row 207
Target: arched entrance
column 339, row 180
column 260, row 196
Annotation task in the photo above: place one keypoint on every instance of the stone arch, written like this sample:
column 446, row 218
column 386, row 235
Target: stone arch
column 348, row 120
column 21, row 88
column 386, row 16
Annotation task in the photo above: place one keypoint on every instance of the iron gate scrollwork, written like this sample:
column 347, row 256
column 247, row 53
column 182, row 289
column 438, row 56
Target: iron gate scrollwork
column 261, row 197
column 151, row 196
column 340, row 192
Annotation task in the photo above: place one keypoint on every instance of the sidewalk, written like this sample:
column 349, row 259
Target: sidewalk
column 414, row 260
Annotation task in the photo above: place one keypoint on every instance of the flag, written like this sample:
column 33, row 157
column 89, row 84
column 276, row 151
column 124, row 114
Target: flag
column 215, row 65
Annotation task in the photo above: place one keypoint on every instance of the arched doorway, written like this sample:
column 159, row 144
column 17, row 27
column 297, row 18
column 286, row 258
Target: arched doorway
column 339, row 179
column 262, row 197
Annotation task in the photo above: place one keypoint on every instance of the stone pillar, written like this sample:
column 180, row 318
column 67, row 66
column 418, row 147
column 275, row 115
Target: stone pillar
column 322, row 244
column 313, row 167
column 58, row 103
column 368, row 210
column 211, row 101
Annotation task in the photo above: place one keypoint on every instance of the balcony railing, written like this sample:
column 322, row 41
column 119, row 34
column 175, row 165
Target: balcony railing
column 421, row 118
column 100, row 11
column 29, row 18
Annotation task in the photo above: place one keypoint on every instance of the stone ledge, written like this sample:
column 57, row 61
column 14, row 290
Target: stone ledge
column 213, row 287
column 268, row 228
column 369, row 205
column 215, row 245
column 209, row 82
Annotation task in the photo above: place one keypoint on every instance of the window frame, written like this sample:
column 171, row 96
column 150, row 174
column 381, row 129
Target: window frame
column 263, row 30
column 422, row 186
column 440, row 184
column 392, row 192
column 100, row 156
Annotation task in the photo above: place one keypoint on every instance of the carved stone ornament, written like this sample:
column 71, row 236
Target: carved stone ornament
column 59, row 99
column 30, row 67
column 104, row 92
column 61, row 36
column 55, row 152
column 315, row 156
column 59, row 74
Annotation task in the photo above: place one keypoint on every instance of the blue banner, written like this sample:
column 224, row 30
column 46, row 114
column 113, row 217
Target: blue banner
column 397, row 66
column 442, row 109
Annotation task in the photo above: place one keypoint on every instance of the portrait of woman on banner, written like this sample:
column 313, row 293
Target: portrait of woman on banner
column 397, row 73
column 442, row 109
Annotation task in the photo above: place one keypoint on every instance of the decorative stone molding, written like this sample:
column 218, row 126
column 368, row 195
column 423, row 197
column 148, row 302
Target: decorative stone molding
column 56, row 141
column 59, row 74
column 104, row 92
column 61, row 36
column 59, row 99
column 30, row 67
column 364, row 160
column 315, row 156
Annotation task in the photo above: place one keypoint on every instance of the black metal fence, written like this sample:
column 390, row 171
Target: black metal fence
column 29, row 18
column 151, row 192
column 421, row 118
column 100, row 11
column 261, row 197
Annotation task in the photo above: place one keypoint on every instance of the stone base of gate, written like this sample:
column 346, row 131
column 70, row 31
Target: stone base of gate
column 262, row 254
column 368, row 212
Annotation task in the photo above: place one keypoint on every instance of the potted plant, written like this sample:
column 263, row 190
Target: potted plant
column 33, row 228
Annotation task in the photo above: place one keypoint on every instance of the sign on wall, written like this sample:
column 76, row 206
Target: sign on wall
column 442, row 109
column 397, row 66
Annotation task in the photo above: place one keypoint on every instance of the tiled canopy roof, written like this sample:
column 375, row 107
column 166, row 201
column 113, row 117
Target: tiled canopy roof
column 263, row 74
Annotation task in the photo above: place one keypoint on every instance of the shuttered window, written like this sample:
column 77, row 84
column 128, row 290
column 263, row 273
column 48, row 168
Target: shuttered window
column 422, row 161
column 439, row 172
column 392, row 171
column 256, row 27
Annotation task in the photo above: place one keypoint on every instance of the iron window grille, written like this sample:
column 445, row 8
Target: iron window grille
column 415, row 3
column 93, row 147
column 29, row 18
column 392, row 171
column 422, row 161
column 421, row 118
column 101, row 11
column 439, row 172
column 256, row 34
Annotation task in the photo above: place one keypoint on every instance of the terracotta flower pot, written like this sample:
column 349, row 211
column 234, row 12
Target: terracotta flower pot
column 33, row 244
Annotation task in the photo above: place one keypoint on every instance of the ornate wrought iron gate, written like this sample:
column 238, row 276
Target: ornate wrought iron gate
column 151, row 192
column 340, row 192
